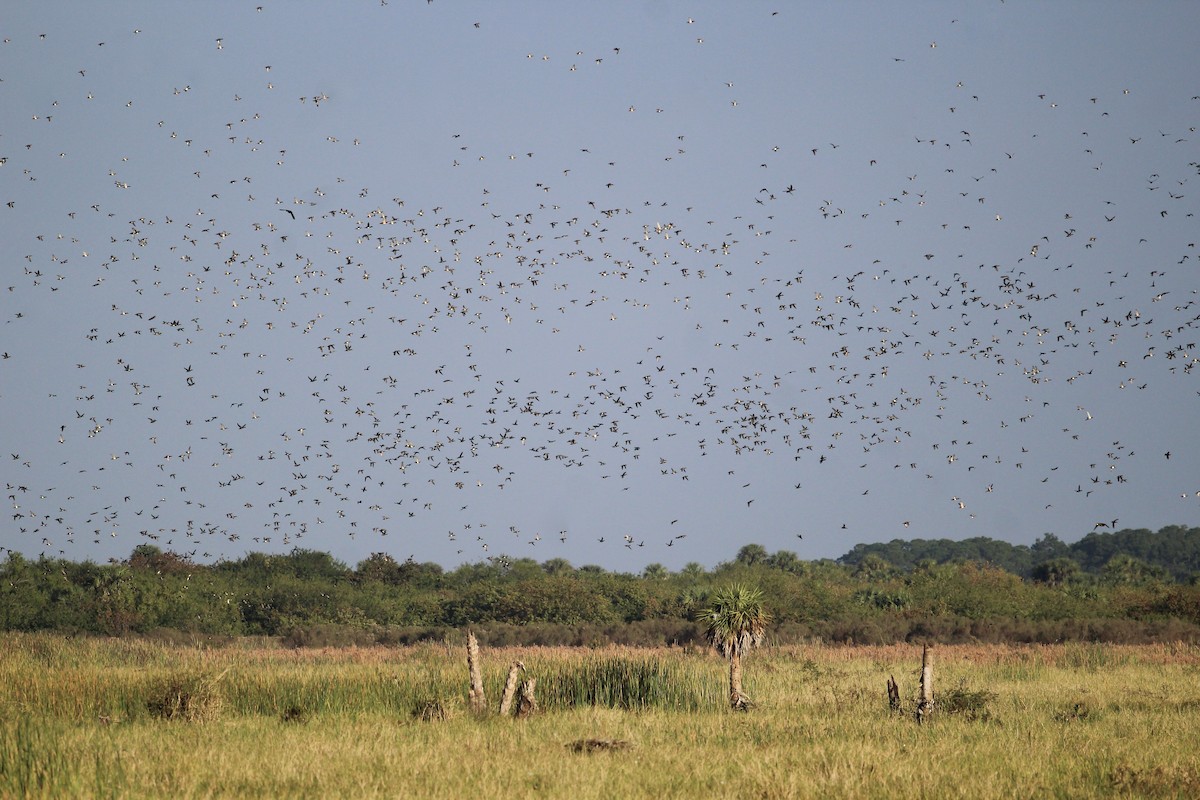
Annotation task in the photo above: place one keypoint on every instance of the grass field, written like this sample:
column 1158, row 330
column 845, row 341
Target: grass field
column 127, row 718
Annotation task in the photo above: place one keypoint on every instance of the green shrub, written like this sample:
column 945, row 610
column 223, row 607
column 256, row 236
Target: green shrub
column 968, row 703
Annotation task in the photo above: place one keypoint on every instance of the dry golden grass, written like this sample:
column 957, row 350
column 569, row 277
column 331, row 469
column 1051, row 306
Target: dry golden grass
column 1083, row 721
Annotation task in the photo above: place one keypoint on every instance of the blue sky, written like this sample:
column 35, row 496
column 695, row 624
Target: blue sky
column 617, row 283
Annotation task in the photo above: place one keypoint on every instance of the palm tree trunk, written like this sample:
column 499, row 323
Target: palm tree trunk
column 737, row 698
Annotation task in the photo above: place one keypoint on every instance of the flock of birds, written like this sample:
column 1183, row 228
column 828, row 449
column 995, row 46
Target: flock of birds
column 230, row 350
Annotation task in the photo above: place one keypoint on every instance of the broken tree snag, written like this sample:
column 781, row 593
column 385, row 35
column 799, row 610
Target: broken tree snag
column 893, row 690
column 478, row 699
column 510, row 688
column 527, row 705
column 925, row 703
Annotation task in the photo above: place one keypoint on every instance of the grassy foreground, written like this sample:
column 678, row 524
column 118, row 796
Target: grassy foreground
column 124, row 718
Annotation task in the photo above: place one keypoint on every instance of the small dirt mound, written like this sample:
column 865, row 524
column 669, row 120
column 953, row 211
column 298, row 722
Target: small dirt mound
column 598, row 745
column 190, row 698
column 437, row 709
column 294, row 714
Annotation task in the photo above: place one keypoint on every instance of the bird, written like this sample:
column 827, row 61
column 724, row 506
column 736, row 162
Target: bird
column 650, row 330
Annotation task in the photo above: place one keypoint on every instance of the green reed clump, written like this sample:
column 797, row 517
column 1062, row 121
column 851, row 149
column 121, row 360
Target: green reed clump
column 629, row 683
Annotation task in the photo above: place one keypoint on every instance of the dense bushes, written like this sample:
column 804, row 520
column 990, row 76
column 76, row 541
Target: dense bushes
column 1173, row 550
column 843, row 630
column 311, row 599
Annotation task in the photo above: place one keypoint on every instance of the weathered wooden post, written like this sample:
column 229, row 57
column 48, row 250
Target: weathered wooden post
column 478, row 699
column 527, row 705
column 925, row 703
column 893, row 691
column 510, row 688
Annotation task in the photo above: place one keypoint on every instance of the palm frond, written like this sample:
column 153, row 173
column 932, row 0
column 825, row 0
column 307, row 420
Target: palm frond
column 736, row 621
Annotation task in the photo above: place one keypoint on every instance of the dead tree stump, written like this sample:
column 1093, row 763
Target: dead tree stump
column 925, row 702
column 510, row 688
column 893, row 693
column 478, row 699
column 527, row 705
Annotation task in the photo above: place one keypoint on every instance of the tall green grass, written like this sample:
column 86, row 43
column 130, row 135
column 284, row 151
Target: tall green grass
column 632, row 683
column 31, row 762
column 41, row 758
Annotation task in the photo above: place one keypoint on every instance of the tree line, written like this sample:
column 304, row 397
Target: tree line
column 1129, row 585
column 1171, row 551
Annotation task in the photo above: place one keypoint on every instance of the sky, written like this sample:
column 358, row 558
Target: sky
column 619, row 283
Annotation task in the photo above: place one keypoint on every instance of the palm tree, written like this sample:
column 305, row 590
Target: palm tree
column 656, row 572
column 734, row 623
